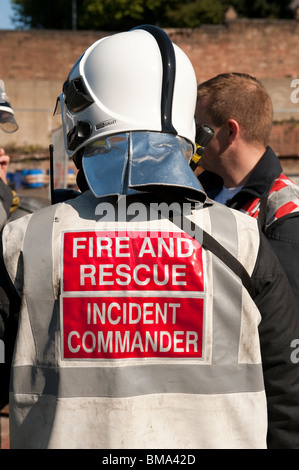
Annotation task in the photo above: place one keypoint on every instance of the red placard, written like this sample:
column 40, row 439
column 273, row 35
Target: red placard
column 100, row 261
column 131, row 295
column 133, row 327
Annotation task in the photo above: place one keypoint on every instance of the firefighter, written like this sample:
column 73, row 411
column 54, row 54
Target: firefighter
column 241, row 170
column 149, row 317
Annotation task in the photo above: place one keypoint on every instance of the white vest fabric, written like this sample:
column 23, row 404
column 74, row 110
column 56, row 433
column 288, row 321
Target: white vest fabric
column 130, row 334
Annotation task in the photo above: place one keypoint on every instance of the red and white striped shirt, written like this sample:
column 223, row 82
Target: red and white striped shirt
column 283, row 199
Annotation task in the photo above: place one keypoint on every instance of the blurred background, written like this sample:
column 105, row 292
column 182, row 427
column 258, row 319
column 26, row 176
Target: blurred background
column 40, row 41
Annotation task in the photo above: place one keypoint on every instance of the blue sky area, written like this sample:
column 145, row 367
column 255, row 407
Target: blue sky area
column 5, row 13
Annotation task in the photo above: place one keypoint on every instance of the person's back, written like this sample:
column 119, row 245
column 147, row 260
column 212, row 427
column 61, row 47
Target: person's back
column 136, row 329
column 143, row 358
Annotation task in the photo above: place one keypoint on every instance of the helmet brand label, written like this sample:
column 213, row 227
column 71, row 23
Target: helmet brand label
column 105, row 124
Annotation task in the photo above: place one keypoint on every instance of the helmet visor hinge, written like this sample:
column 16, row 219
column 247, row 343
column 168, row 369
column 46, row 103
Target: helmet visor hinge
column 78, row 134
column 77, row 97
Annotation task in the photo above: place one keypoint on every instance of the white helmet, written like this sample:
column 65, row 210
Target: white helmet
column 136, row 81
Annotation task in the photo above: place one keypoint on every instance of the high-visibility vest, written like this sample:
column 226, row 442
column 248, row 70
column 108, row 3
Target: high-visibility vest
column 131, row 335
column 283, row 200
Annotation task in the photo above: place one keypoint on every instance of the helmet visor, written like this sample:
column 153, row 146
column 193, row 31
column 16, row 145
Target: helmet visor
column 139, row 161
column 7, row 122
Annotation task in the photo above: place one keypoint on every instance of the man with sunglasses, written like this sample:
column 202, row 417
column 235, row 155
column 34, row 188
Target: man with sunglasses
column 241, row 170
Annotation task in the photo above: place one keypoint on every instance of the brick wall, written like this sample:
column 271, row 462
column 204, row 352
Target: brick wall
column 41, row 54
column 263, row 48
column 35, row 63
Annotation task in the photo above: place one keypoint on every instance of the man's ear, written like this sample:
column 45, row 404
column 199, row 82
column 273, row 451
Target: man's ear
column 233, row 129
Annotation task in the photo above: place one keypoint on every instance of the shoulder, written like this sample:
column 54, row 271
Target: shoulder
column 285, row 229
column 227, row 214
column 237, row 232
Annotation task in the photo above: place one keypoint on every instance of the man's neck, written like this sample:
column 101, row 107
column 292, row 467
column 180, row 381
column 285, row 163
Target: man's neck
column 240, row 166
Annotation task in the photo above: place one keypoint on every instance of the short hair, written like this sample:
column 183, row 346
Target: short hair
column 241, row 97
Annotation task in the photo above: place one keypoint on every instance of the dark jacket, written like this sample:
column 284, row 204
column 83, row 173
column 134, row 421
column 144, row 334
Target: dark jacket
column 6, row 199
column 283, row 234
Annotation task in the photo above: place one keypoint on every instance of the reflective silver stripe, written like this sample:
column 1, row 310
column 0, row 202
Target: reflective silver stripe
column 227, row 309
column 39, row 291
column 3, row 215
column 134, row 380
column 226, row 315
column 279, row 196
column 221, row 218
column 278, row 199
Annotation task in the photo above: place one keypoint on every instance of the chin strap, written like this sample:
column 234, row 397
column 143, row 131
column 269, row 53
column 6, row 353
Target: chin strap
column 15, row 202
